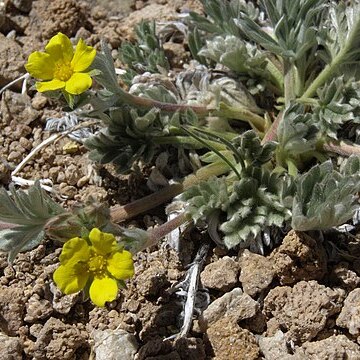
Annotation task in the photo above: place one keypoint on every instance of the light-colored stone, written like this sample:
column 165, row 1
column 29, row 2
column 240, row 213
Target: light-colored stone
column 22, row 5
column 344, row 277
column 10, row 348
column 333, row 348
column 221, row 275
column 275, row 347
column 235, row 304
column 299, row 257
column 350, row 314
column 301, row 311
column 256, row 272
column 63, row 303
column 230, row 342
column 12, row 60
column 12, row 304
column 114, row 345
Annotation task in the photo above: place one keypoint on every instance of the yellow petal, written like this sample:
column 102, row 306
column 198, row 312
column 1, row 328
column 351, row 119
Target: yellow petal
column 120, row 265
column 51, row 85
column 103, row 290
column 71, row 278
column 75, row 249
column 78, row 83
column 83, row 57
column 40, row 65
column 103, row 243
column 60, row 47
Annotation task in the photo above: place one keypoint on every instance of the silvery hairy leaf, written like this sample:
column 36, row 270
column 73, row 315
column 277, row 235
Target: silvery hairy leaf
column 336, row 106
column 221, row 15
column 147, row 53
column 298, row 132
column 326, row 197
column 342, row 29
column 29, row 212
column 294, row 26
column 198, row 84
column 238, row 55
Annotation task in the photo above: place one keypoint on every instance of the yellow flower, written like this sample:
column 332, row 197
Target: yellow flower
column 101, row 262
column 60, row 67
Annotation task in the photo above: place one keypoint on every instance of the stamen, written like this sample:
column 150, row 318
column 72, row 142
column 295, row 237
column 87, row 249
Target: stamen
column 63, row 70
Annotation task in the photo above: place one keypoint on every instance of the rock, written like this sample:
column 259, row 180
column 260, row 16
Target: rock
column 12, row 305
column 37, row 309
column 14, row 156
column 114, row 345
column 17, row 107
column 72, row 174
column 63, row 303
column 301, row 311
column 57, row 340
column 67, row 190
column 234, row 304
column 150, row 12
column 299, row 257
column 155, row 349
column 221, row 275
column 230, row 342
column 12, row 61
column 10, row 348
column 334, row 347
column 275, row 347
column 39, row 101
column 47, row 18
column 350, row 314
column 343, row 276
column 190, row 348
column 22, row 5
column 256, row 272
column 151, row 281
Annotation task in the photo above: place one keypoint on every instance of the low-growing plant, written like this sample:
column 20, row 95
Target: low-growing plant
column 254, row 128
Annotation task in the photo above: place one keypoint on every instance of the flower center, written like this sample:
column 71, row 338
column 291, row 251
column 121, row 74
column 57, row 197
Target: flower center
column 97, row 264
column 63, row 70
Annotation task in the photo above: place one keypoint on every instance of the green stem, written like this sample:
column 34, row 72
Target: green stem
column 121, row 213
column 276, row 74
column 308, row 101
column 289, row 82
column 329, row 69
column 243, row 114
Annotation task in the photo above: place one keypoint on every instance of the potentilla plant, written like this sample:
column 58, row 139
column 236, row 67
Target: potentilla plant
column 253, row 130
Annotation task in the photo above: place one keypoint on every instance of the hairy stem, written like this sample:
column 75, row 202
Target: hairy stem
column 145, row 239
column 289, row 81
column 276, row 74
column 121, row 213
column 342, row 148
column 271, row 134
column 4, row 225
column 257, row 122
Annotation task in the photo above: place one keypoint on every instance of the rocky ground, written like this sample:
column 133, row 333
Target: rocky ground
column 300, row 301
